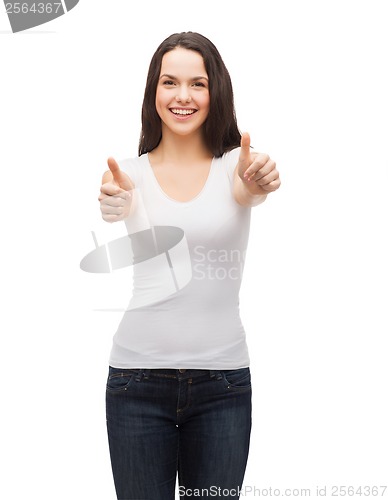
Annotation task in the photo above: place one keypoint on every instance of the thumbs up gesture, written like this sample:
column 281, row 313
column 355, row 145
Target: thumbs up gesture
column 115, row 197
column 256, row 170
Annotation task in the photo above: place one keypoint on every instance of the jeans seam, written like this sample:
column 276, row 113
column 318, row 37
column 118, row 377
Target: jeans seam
column 188, row 402
column 177, row 459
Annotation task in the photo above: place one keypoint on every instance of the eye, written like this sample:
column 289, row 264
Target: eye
column 168, row 82
column 198, row 84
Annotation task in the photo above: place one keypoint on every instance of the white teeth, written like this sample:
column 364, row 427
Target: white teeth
column 183, row 111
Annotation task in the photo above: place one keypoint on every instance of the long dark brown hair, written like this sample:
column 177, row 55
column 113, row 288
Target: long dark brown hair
column 220, row 128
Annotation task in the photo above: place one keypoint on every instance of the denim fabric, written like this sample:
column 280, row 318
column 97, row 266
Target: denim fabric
column 161, row 422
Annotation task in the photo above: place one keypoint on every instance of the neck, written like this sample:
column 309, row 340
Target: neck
column 182, row 149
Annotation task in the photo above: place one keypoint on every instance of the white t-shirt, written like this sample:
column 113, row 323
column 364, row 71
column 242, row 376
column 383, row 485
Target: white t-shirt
column 184, row 312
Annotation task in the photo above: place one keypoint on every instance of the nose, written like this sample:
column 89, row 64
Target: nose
column 183, row 94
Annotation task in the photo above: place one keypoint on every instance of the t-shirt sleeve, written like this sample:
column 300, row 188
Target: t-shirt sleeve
column 130, row 167
column 138, row 218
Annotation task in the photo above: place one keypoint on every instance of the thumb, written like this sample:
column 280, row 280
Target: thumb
column 245, row 153
column 122, row 179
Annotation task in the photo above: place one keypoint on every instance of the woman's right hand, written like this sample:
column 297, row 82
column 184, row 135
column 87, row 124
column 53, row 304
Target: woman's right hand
column 115, row 197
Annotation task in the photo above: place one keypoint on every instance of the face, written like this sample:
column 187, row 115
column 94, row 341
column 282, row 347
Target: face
column 182, row 94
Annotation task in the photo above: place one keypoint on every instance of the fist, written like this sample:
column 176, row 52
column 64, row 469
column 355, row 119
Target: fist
column 256, row 170
column 115, row 193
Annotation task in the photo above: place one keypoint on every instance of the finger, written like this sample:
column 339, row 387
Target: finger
column 260, row 160
column 113, row 201
column 263, row 171
column 120, row 177
column 111, row 217
column 110, row 189
column 272, row 186
column 107, row 177
column 108, row 210
column 107, row 202
column 267, row 179
column 114, row 168
column 245, row 152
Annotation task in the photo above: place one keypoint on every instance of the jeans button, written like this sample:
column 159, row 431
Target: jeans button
column 181, row 370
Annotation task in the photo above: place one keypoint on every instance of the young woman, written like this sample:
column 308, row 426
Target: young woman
column 178, row 393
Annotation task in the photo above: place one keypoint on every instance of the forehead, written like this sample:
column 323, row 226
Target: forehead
column 183, row 62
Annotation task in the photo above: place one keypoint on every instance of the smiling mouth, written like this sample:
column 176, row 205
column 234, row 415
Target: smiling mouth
column 183, row 112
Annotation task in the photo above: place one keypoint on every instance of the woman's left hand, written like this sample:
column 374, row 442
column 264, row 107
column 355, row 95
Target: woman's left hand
column 256, row 170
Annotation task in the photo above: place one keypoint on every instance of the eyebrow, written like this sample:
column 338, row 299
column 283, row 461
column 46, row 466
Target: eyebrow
column 175, row 78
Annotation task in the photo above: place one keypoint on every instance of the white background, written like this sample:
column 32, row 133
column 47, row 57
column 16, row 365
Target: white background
column 310, row 86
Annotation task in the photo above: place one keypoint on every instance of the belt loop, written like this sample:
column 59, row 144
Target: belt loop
column 147, row 373
column 219, row 375
column 139, row 375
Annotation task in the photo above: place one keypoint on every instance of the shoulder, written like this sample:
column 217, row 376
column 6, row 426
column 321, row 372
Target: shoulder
column 134, row 167
column 133, row 163
column 231, row 155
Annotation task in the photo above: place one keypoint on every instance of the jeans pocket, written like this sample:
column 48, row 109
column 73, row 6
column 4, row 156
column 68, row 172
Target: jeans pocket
column 119, row 379
column 237, row 379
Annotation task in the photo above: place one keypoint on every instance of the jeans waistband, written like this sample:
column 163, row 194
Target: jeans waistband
column 177, row 373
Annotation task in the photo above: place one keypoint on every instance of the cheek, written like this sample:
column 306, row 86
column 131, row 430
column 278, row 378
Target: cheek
column 205, row 101
column 205, row 106
column 160, row 99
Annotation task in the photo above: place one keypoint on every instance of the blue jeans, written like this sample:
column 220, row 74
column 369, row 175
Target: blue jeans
column 164, row 421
